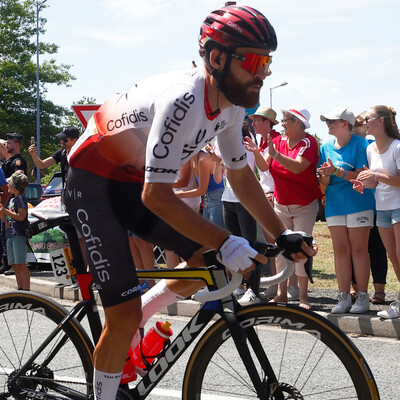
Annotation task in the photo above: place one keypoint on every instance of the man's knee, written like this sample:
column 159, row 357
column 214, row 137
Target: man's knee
column 126, row 315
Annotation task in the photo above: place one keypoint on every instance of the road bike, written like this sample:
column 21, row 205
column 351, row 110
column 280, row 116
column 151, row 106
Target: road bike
column 46, row 353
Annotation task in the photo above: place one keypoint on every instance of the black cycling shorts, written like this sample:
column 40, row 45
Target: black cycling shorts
column 103, row 210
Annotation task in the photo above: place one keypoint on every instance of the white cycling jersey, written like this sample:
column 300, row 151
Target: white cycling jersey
column 149, row 131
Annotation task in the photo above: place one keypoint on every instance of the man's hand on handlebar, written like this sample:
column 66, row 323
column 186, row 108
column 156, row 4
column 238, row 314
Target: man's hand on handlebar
column 238, row 256
column 296, row 245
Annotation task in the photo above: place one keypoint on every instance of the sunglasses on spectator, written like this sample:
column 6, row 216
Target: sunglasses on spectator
column 65, row 140
column 252, row 62
column 285, row 120
column 366, row 119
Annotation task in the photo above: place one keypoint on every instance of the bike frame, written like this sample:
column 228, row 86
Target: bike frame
column 214, row 276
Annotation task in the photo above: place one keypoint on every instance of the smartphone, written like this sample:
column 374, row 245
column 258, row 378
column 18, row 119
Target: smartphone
column 32, row 139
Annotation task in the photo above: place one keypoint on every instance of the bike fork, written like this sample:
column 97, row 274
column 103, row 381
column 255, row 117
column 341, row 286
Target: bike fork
column 239, row 337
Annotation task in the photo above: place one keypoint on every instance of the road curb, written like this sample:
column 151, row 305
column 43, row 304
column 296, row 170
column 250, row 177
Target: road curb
column 370, row 325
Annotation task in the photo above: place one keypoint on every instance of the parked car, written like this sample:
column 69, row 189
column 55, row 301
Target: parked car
column 34, row 193
column 54, row 187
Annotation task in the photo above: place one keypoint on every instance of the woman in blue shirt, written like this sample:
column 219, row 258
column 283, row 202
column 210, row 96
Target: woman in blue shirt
column 349, row 214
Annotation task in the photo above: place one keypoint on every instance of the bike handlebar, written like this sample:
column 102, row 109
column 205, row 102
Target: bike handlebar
column 203, row 297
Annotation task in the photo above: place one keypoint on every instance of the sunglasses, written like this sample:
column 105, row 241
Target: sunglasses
column 331, row 121
column 366, row 119
column 252, row 62
column 65, row 140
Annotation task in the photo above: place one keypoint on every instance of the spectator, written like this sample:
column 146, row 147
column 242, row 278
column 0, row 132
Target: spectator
column 376, row 248
column 15, row 162
column 15, row 218
column 184, row 182
column 209, row 184
column 292, row 161
column 240, row 222
column 68, row 136
column 5, row 195
column 143, row 257
column 384, row 175
column 263, row 121
column 349, row 215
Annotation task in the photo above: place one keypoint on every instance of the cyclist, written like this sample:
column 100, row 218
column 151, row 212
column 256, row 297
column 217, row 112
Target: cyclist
column 123, row 168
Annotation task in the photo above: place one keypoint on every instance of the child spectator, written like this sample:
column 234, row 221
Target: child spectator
column 15, row 220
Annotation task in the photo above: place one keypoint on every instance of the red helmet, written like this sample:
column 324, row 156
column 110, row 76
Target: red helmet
column 238, row 26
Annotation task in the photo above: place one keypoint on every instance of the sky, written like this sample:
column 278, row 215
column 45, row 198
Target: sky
column 331, row 53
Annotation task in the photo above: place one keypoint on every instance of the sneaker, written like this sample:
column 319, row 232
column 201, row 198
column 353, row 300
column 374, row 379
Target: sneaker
column 293, row 293
column 4, row 268
column 248, row 298
column 269, row 293
column 74, row 286
column 362, row 303
column 9, row 272
column 238, row 293
column 393, row 311
column 343, row 305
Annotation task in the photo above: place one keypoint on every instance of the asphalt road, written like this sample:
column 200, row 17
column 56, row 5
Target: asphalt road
column 381, row 354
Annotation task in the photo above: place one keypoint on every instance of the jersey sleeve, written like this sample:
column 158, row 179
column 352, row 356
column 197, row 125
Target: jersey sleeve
column 230, row 142
column 175, row 111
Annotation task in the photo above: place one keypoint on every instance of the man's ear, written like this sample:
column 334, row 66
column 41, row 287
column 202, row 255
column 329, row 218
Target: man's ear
column 217, row 59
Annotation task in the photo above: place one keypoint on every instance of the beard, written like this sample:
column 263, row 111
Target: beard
column 238, row 93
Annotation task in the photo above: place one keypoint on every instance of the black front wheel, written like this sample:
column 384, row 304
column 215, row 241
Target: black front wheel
column 310, row 357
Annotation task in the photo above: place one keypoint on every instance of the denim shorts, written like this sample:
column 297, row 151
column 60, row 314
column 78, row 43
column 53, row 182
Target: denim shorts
column 387, row 218
column 16, row 250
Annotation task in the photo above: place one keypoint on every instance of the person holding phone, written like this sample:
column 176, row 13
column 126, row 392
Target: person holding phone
column 68, row 136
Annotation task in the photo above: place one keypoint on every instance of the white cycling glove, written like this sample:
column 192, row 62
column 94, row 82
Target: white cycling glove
column 236, row 253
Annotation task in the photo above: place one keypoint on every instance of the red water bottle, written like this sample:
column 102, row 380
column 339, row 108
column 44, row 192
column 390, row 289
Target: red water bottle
column 129, row 373
column 152, row 344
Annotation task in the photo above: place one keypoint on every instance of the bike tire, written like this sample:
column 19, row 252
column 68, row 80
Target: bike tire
column 325, row 352
column 26, row 319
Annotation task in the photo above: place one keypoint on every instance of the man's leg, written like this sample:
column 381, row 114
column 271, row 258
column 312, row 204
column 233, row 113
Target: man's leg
column 122, row 322
column 91, row 206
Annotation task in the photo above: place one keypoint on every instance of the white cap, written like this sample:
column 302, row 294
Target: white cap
column 342, row 113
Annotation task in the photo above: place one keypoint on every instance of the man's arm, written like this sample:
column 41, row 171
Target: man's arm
column 160, row 198
column 248, row 190
column 41, row 164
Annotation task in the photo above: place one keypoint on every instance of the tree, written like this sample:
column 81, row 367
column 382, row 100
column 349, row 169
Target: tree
column 18, row 74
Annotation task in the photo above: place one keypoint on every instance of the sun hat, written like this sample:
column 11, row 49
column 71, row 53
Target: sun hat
column 342, row 113
column 19, row 181
column 301, row 113
column 267, row 113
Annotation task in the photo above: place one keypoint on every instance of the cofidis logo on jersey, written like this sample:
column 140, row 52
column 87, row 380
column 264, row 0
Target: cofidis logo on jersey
column 172, row 123
column 126, row 119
